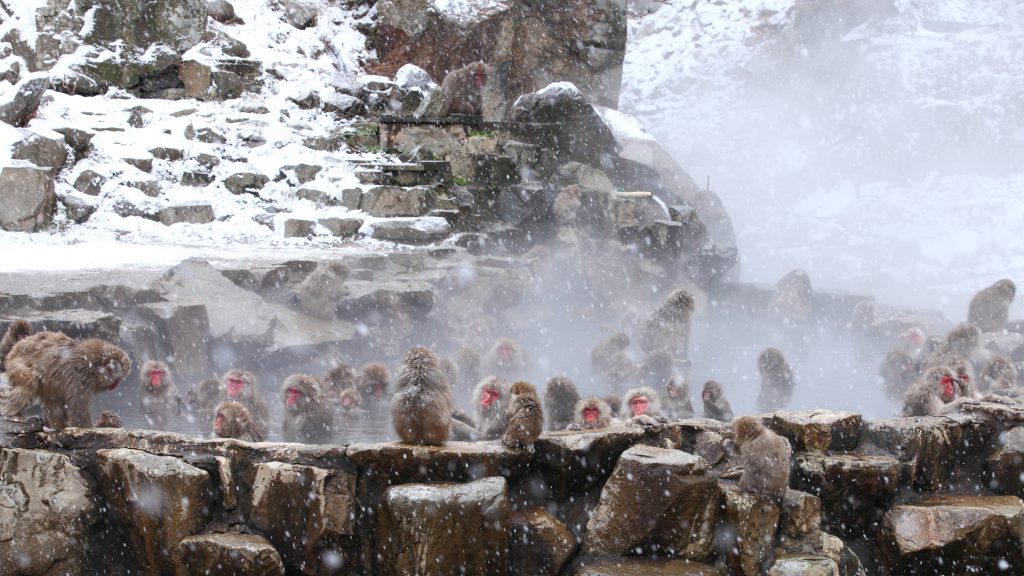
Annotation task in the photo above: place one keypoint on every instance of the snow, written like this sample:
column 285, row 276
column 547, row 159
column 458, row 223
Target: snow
column 467, row 12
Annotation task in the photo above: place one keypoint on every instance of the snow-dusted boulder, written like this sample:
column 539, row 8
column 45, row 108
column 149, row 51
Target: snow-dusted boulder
column 27, row 198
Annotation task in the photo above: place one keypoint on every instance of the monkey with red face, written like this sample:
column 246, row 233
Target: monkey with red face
column 232, row 420
column 308, row 417
column 491, row 399
column 506, row 359
column 159, row 397
column 642, row 407
column 241, row 388
column 592, row 414
column 938, row 392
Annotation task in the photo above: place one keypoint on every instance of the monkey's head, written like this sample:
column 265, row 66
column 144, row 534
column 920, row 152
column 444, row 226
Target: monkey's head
column 914, row 336
column 237, row 380
column 745, row 429
column 506, row 349
column 480, row 75
column 656, row 368
column 1006, row 287
column 374, row 379
column 337, row 268
column 614, row 403
column 155, row 376
column 771, row 360
column 593, row 413
column 1000, row 373
column 230, row 419
column 677, row 388
column 964, row 339
column 680, row 304
column 107, row 364
column 340, row 377
column 19, row 329
column 712, row 391
column 350, row 399
column 467, row 358
column 639, row 402
column 299, row 391
column 796, row 282
column 943, row 382
column 419, row 358
column 522, row 387
column 901, row 361
column 108, row 419
column 620, row 340
column 490, row 393
column 864, row 314
column 560, row 387
column 963, row 373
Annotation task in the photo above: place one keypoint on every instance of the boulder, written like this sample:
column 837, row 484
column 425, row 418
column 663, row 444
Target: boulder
column 1006, row 463
column 392, row 201
column 29, row 201
column 578, row 132
column 800, row 515
column 408, row 230
column 18, row 105
column 316, row 196
column 40, row 150
column 343, row 105
column 298, row 228
column 803, row 565
column 227, row 554
column 299, row 14
column 183, row 332
column 444, row 529
column 342, row 226
column 656, row 501
column 540, row 543
column 289, row 500
column 954, row 535
column 245, row 182
column 136, row 24
column 209, row 78
column 938, row 450
column 634, row 566
column 138, row 116
column 299, row 173
column 412, row 77
column 854, row 489
column 157, row 500
column 144, row 163
column 167, row 153
column 222, row 11
column 746, row 532
column 78, row 210
column 79, row 140
column 79, row 323
column 90, row 182
column 455, row 461
column 818, row 430
column 47, row 511
column 187, row 213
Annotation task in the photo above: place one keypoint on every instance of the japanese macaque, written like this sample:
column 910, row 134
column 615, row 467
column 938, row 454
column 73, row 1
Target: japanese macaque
column 373, row 381
column 898, row 371
column 677, row 399
column 655, row 370
column 318, row 294
column 566, row 204
column 422, row 404
column 349, row 401
column 560, row 398
column 450, row 371
column 232, row 420
column 505, row 359
column 308, row 417
column 61, row 374
column 490, row 399
column 912, row 343
column 961, row 342
column 937, row 393
column 990, row 307
column 999, row 375
column 108, row 419
column 614, row 402
column 591, row 414
column 462, row 91
column 241, row 388
column 468, row 362
column 18, row 330
column 159, row 398
column 863, row 316
column 668, row 327
column 964, row 376
column 793, row 300
column 716, row 406
column 776, row 380
column 764, row 456
column 610, row 362
column 203, row 398
column 525, row 417
column 337, row 380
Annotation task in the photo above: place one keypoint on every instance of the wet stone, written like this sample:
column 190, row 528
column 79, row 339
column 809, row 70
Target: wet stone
column 634, row 566
column 855, row 490
column 89, row 182
column 540, row 543
column 238, row 554
column 747, row 530
column 818, row 430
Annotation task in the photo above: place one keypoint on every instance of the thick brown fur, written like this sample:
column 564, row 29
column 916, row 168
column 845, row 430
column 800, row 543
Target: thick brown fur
column 17, row 331
column 311, row 419
column 203, row 398
column 677, row 399
column 468, row 362
column 491, row 420
column 764, row 456
column 249, row 397
column 422, row 404
column 776, row 380
column 566, row 204
column 604, row 418
column 108, row 419
column 614, row 402
column 158, row 403
column 349, row 400
column 965, row 383
column 999, row 375
column 963, row 339
column 525, row 417
column 232, row 420
column 459, row 92
column 451, row 372
column 668, row 327
column 494, row 364
column 898, row 371
column 338, row 378
column 990, row 308
column 374, row 381
column 319, row 292
column 653, row 402
column 655, row 371
column 62, row 374
column 793, row 300
column 609, row 361
column 716, row 406
column 925, row 396
column 560, row 397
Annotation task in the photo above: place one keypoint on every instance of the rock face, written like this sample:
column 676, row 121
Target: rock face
column 21, row 102
column 445, row 529
column 818, row 430
column 29, row 201
column 631, row 566
column 46, row 513
column 227, row 554
column 156, row 500
column 748, row 526
column 855, row 490
column 938, row 450
column 1006, row 463
column 540, row 544
column 657, row 501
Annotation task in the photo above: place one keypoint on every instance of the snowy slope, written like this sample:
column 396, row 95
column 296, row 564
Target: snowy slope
column 877, row 145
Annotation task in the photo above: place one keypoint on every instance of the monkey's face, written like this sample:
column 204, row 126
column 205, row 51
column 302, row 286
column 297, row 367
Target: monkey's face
column 218, row 423
column 947, row 388
column 111, row 373
column 489, row 397
column 348, row 402
column 638, row 405
column 506, row 352
column 236, row 384
column 293, row 397
column 708, row 395
column 156, row 378
column 672, row 390
column 480, row 77
column 591, row 414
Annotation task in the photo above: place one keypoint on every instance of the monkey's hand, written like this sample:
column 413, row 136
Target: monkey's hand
column 732, row 473
column 999, row 399
column 648, row 423
column 574, row 427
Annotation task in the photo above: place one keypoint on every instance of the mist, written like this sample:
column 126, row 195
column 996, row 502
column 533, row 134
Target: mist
column 878, row 145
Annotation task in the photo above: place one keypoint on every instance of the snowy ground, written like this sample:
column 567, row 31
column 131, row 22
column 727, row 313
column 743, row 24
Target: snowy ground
column 883, row 156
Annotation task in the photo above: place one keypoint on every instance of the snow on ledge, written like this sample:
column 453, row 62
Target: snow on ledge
column 468, row 12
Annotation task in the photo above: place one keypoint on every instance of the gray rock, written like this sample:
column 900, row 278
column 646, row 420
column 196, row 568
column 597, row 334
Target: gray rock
column 216, row 43
column 308, row 100
column 19, row 104
column 394, row 201
column 78, row 210
column 523, row 204
column 299, row 173
column 298, row 13
column 126, row 209
column 316, row 196
column 801, row 515
column 222, row 11
column 208, row 161
column 182, row 332
column 449, row 528
column 747, row 531
column 29, row 200
column 40, row 150
column 187, row 213
column 210, row 136
column 343, row 105
column 196, row 178
column 80, row 141
column 48, row 510
column 137, row 24
column 220, row 79
column 169, row 154
column 586, row 136
column 150, row 188
column 410, row 230
column 144, row 164
column 139, row 116
column 804, row 565
column 1004, row 465
column 228, row 554
column 343, row 227
column 937, row 449
column 818, row 430
column 298, row 228
column 855, row 490
column 351, row 198
column 90, row 182
column 411, row 76
column 245, row 183
column 540, row 543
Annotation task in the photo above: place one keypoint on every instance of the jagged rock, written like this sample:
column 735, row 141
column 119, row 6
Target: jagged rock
column 306, row 98
column 854, row 489
column 47, row 510
column 290, row 500
column 210, row 136
column 444, row 528
column 245, row 182
column 150, row 188
column 947, row 534
column 408, row 230
column 747, row 530
column 455, row 461
column 800, row 515
column 818, row 430
column 540, row 544
column 343, row 105
column 165, row 153
column 388, row 299
column 137, row 24
column 393, row 201
column 19, row 104
column 80, row 141
column 316, row 196
column 804, row 565
column 848, row 562
column 298, row 228
column 580, row 133
column 220, row 78
column 90, row 182
column 655, row 501
column 216, row 44
column 227, row 554
column 342, row 226
column 196, row 178
column 158, row 500
column 298, row 13
column 144, row 164
column 1007, row 462
column 78, row 210
column 222, row 11
column 126, row 209
column 208, row 161
column 633, row 566
column 299, row 173
column 29, row 199
column 139, row 116
column 937, row 449
column 40, row 150
column 188, row 213
column 79, row 323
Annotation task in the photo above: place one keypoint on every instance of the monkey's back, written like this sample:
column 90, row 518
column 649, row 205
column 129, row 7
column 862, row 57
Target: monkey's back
column 766, row 463
column 421, row 408
column 525, row 421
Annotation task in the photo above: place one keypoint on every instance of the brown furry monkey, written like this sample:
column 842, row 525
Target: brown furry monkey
column 241, row 388
column 999, row 375
column 159, row 398
column 560, row 398
column 668, row 327
column 776, row 380
column 525, row 417
column 491, row 399
column 349, row 401
column 467, row 361
column 337, row 379
column 422, row 405
column 898, row 371
column 793, row 300
column 203, row 398
column 373, row 381
column 506, row 359
column 462, row 91
column 990, row 307
column 232, row 420
column 935, row 394
column 764, row 456
column 677, row 399
column 609, row 361
column 591, row 413
column 716, row 406
column 108, row 419
column 614, row 402
column 62, row 374
column 308, row 417
column 319, row 292
column 18, row 330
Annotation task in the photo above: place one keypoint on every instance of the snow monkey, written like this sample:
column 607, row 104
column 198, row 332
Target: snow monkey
column 308, row 416
column 764, row 456
column 716, row 406
column 421, row 407
column 467, row 361
column 668, row 327
column 592, row 414
column 319, row 292
column 609, row 361
column 17, row 331
column 241, row 388
column 776, row 380
column 62, row 374
column 490, row 399
column 203, row 398
column 462, row 91
column 159, row 398
column 677, row 399
column 990, row 307
column 999, row 375
column 525, row 417
column 336, row 380
column 373, row 381
column 793, row 300
column 505, row 359
column 560, row 398
column 108, row 419
column 232, row 420
column 935, row 394
column 566, row 204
